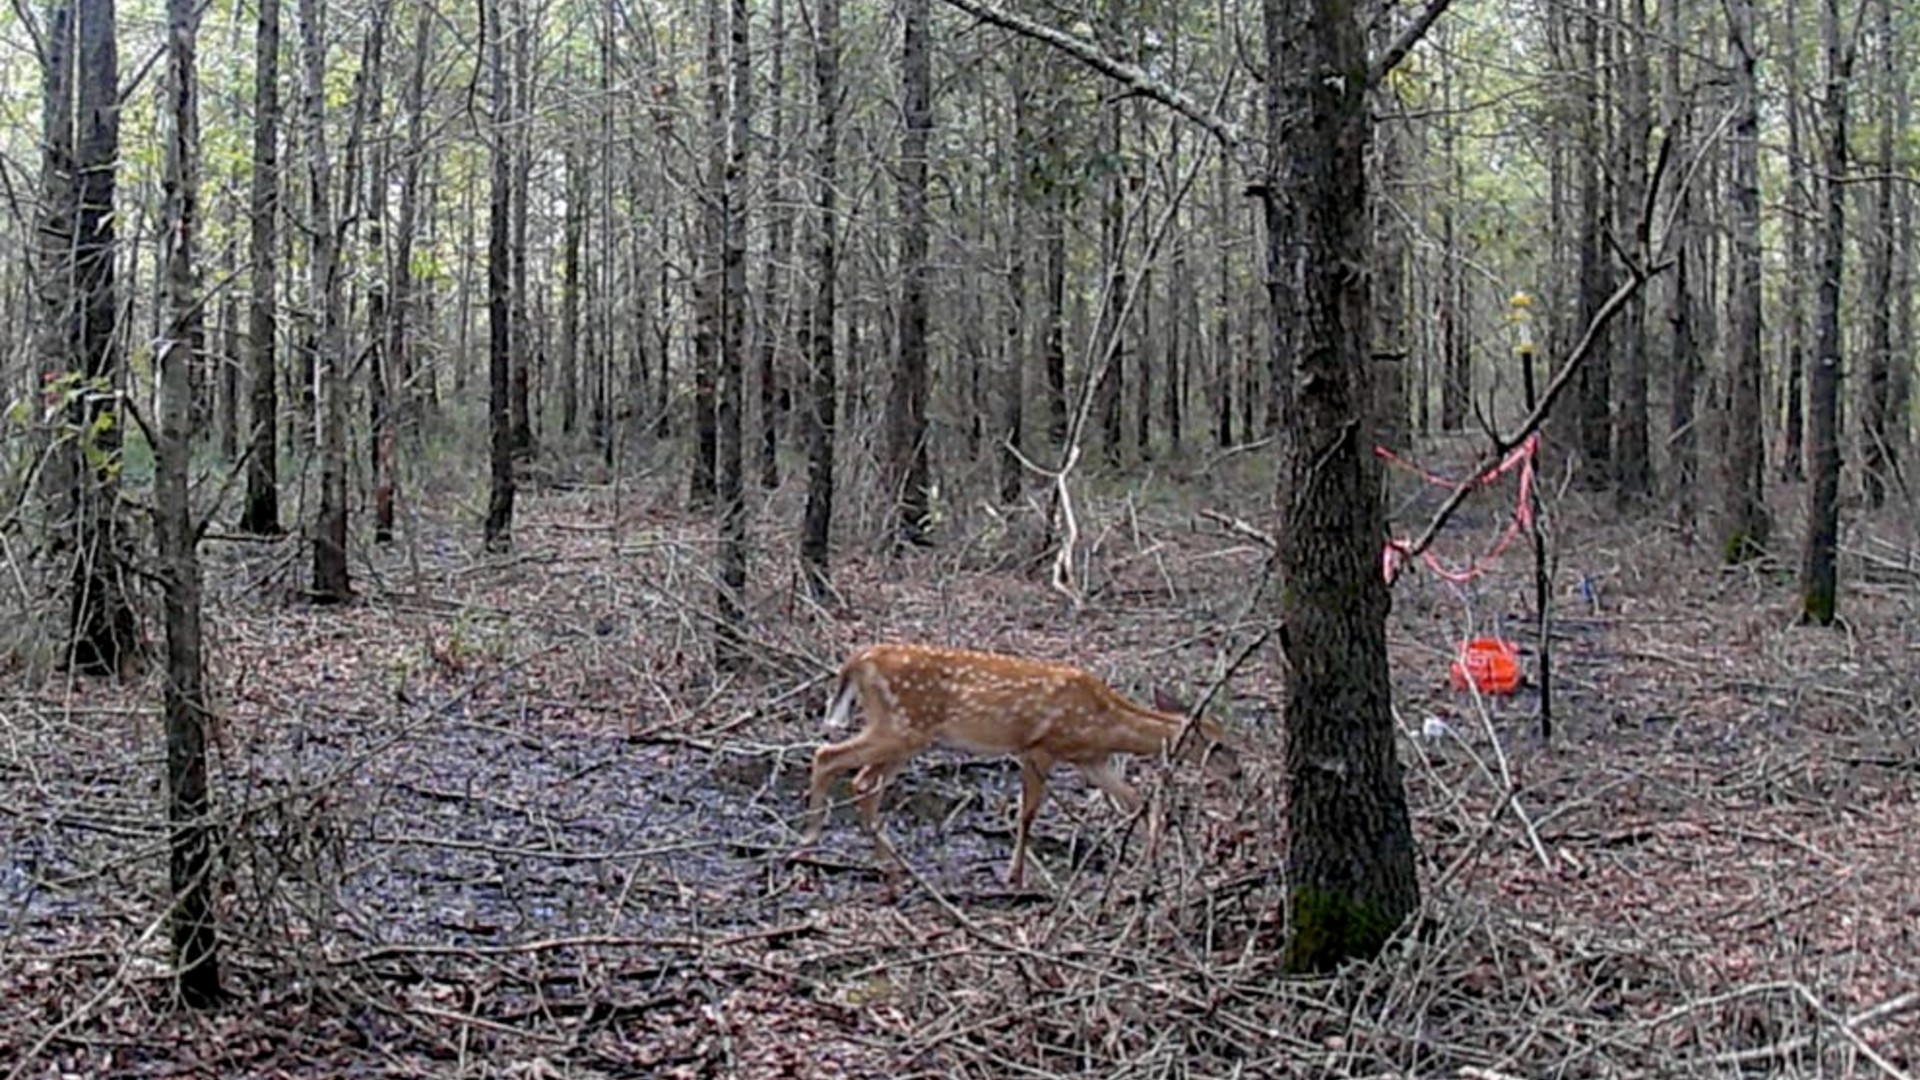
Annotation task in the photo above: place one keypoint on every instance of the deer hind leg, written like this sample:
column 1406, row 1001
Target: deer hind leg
column 869, row 784
column 859, row 752
column 1033, row 791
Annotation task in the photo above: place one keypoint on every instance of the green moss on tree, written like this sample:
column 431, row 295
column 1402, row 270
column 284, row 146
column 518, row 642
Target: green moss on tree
column 1327, row 928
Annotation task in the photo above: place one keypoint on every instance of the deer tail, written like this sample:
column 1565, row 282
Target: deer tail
column 841, row 710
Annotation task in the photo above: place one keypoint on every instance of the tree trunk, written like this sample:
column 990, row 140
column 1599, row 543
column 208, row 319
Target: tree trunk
column 261, row 515
column 1112, row 337
column 730, row 645
column 707, row 287
column 499, row 523
column 1876, row 464
column 571, row 233
column 1684, row 363
column 907, row 452
column 1351, row 859
column 399, row 328
column 184, row 705
column 1595, row 397
column 774, row 325
column 1745, row 524
column 1053, row 207
column 1798, row 209
column 1223, row 305
column 1818, row 585
column 520, row 26
column 1013, row 365
column 817, row 525
column 1632, row 460
column 330, row 578
column 380, row 388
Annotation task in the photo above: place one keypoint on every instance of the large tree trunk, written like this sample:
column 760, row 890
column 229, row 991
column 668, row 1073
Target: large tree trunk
column 1351, row 857
column 909, row 476
column 262, row 509
column 1745, row 524
column 1818, row 584
column 80, row 304
column 184, row 703
column 817, row 525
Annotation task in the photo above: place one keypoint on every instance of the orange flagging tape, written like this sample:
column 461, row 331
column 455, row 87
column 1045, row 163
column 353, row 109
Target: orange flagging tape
column 1394, row 557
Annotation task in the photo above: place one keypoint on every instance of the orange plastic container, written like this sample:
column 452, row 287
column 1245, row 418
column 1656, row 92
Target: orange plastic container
column 1492, row 663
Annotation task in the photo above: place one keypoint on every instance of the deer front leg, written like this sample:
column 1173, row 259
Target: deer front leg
column 1102, row 775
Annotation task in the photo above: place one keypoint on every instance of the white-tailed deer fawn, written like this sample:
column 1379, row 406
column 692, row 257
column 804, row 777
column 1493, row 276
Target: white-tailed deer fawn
column 916, row 696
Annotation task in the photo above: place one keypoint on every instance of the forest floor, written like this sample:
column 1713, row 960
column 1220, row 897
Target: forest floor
column 501, row 818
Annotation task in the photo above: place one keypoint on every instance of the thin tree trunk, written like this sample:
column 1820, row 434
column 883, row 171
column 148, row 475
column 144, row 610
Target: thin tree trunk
column 773, row 332
column 499, row 523
column 817, row 525
column 1632, row 460
column 1684, row 363
column 1818, row 579
column 1013, row 366
column 1595, row 398
column 184, row 704
column 1799, row 208
column 708, row 295
column 330, row 578
column 907, row 451
column 400, row 327
column 730, row 644
column 261, row 515
column 1876, row 464
column 570, row 244
column 519, row 25
column 1745, row 523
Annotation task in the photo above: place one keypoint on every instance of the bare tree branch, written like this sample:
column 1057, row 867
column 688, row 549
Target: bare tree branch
column 1129, row 75
column 1404, row 44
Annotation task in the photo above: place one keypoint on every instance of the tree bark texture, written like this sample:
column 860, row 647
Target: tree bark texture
column 261, row 515
column 184, row 706
column 909, row 468
column 1351, row 860
column 1745, row 524
column 1819, row 586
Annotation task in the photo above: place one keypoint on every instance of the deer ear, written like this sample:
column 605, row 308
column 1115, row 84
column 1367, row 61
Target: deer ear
column 1166, row 702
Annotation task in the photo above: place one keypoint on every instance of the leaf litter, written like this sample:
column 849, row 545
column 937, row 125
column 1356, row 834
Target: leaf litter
column 501, row 817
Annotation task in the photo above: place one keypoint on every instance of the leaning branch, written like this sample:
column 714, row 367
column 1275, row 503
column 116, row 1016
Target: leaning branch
column 1636, row 279
column 1404, row 44
column 1129, row 75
